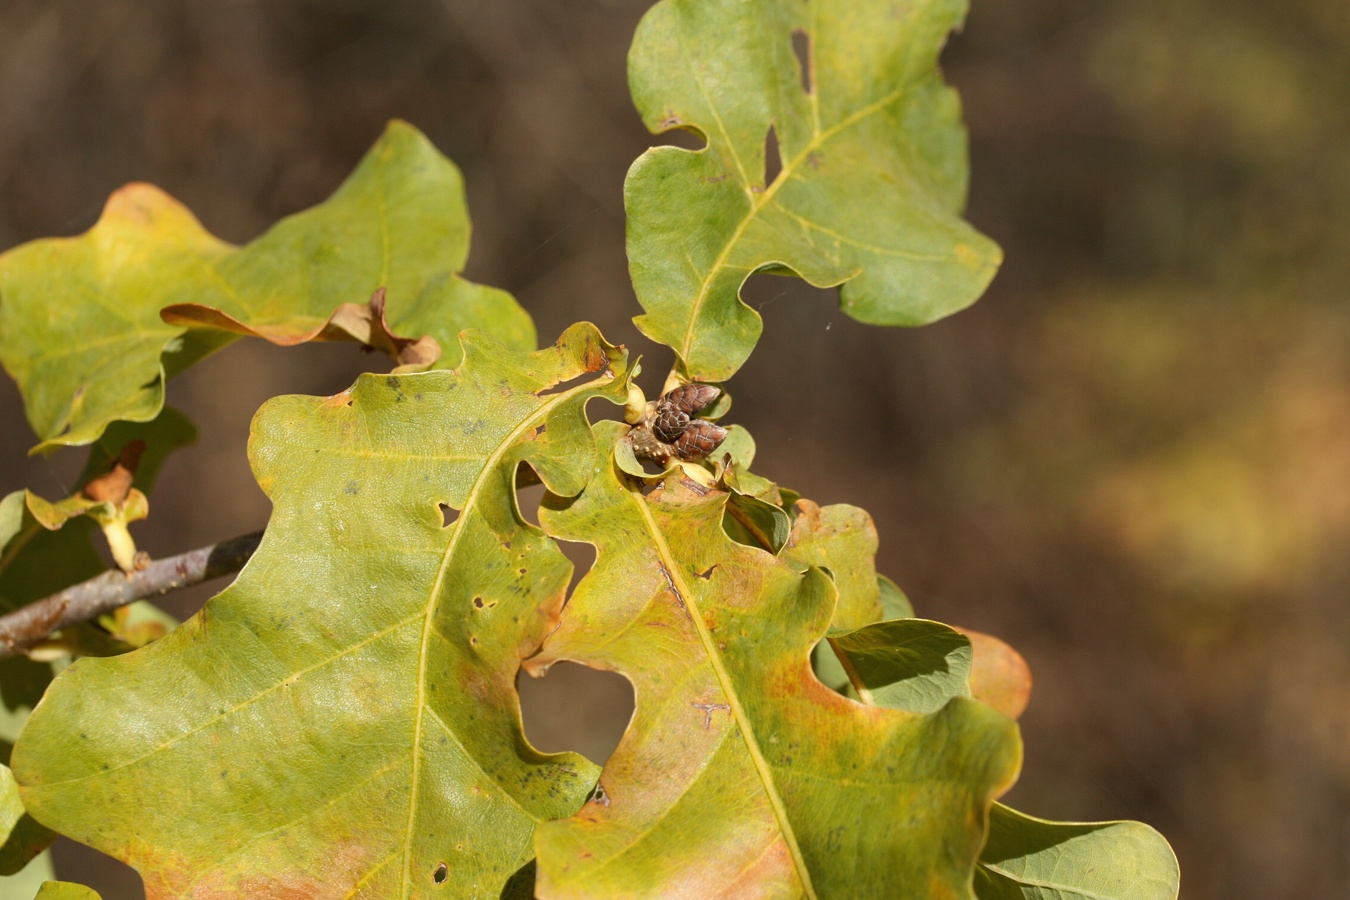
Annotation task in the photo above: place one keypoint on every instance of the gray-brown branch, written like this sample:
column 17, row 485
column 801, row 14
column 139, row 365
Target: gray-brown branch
column 103, row 593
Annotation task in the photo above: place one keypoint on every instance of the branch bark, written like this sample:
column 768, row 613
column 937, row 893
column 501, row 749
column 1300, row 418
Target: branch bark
column 103, row 593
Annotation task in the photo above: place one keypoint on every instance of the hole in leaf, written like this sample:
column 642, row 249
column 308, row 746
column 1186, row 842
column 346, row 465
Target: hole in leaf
column 684, row 138
column 448, row 515
column 801, row 45
column 601, row 412
column 573, row 707
column 441, row 871
column 773, row 164
column 582, row 557
column 828, row 670
column 527, row 502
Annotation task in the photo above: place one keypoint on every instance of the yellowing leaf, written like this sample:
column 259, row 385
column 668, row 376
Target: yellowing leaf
column 65, row 890
column 843, row 540
column 873, row 168
column 79, row 317
column 91, row 326
column 342, row 720
column 916, row 665
column 741, row 774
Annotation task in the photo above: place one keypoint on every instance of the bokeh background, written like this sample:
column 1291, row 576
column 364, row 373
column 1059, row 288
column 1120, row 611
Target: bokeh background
column 1131, row 459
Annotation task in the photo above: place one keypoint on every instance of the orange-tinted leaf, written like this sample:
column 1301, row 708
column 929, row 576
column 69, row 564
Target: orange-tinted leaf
column 999, row 675
column 741, row 774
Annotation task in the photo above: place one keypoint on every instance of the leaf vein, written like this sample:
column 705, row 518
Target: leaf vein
column 789, row 169
column 226, row 713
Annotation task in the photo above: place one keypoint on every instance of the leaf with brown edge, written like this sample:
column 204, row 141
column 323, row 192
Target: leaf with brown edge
column 364, row 323
column 341, row 722
column 870, row 181
column 741, row 774
column 91, row 326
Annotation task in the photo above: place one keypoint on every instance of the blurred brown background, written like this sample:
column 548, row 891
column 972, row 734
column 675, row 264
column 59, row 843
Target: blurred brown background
column 1131, row 459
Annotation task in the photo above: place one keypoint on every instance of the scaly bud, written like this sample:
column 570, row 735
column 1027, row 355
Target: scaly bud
column 700, row 438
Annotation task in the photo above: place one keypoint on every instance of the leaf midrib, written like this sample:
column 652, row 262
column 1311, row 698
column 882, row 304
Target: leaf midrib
column 733, row 699
column 468, row 509
column 1067, row 888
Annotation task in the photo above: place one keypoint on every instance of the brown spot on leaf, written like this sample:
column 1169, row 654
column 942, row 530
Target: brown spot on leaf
column 596, row 358
column 339, row 400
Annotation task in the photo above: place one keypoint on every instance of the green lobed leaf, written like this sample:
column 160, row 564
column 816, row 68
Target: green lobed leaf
column 21, row 837
column 910, row 664
column 873, row 168
column 916, row 665
column 894, row 603
column 1027, row 858
column 741, row 774
column 65, row 890
column 83, row 325
column 342, row 720
column 756, row 523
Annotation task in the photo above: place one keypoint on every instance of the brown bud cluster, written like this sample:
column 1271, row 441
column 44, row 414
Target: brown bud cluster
column 675, row 429
column 675, row 409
